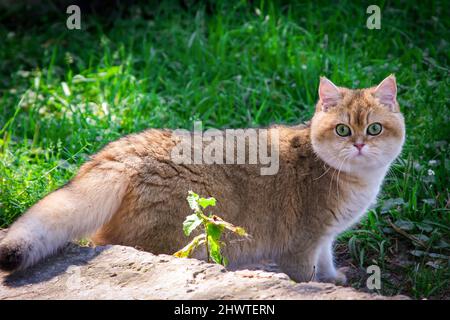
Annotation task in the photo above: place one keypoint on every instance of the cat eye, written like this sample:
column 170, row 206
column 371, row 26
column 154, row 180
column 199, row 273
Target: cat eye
column 374, row 129
column 343, row 130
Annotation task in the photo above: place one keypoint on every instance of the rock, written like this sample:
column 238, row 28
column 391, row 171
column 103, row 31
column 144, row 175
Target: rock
column 118, row 272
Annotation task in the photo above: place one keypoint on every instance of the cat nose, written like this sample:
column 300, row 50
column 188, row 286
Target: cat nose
column 359, row 146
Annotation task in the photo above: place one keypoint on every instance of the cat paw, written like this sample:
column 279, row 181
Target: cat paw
column 337, row 277
column 341, row 278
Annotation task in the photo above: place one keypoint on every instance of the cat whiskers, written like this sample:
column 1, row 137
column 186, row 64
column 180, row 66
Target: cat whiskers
column 331, row 181
column 337, row 180
column 326, row 171
column 339, row 173
column 391, row 174
column 325, row 165
column 329, row 168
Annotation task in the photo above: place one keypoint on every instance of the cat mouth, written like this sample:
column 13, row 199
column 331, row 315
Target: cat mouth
column 359, row 155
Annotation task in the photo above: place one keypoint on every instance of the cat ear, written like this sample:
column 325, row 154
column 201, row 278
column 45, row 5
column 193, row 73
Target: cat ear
column 329, row 94
column 386, row 92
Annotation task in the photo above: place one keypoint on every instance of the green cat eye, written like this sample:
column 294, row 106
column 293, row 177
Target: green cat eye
column 374, row 129
column 343, row 130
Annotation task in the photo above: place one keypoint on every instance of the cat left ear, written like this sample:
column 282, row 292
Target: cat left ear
column 386, row 93
column 329, row 94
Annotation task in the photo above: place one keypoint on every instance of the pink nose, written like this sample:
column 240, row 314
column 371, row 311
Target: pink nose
column 359, row 146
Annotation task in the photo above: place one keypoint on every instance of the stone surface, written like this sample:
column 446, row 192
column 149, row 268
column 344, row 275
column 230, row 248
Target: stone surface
column 118, row 272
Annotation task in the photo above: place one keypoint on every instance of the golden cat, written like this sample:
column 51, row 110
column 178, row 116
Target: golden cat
column 132, row 193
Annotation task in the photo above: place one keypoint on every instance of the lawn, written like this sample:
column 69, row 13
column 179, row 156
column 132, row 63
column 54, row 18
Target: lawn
column 65, row 93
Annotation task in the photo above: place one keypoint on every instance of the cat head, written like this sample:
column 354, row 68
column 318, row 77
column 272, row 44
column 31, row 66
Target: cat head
column 358, row 130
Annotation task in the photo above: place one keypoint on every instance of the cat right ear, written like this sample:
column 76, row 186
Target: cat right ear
column 329, row 94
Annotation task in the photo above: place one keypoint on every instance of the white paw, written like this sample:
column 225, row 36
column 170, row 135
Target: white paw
column 341, row 278
column 337, row 277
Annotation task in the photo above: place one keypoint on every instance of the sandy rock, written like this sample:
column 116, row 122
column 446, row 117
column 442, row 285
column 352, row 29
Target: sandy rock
column 118, row 272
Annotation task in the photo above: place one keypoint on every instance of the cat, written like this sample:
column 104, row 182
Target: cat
column 132, row 193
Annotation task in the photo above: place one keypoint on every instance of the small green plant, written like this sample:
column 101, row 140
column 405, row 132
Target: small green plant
column 213, row 229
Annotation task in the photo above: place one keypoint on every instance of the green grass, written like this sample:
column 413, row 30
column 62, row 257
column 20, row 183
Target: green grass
column 64, row 94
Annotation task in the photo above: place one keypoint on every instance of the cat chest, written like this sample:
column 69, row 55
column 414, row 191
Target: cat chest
column 352, row 207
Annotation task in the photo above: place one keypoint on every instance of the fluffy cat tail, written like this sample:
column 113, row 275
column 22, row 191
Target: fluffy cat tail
column 71, row 212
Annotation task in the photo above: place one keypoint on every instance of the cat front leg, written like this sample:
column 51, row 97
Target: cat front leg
column 300, row 266
column 326, row 270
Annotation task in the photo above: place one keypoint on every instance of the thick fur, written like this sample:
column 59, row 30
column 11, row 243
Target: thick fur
column 74, row 211
column 132, row 193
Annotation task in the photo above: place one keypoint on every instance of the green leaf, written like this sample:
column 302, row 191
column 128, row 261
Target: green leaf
column 391, row 203
column 214, row 231
column 240, row 231
column 438, row 256
column 441, row 244
column 214, row 250
column 215, row 226
column 404, row 224
column 220, row 222
column 422, row 237
column 418, row 253
column 206, row 202
column 192, row 199
column 435, row 264
column 424, row 227
column 190, row 247
column 192, row 221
